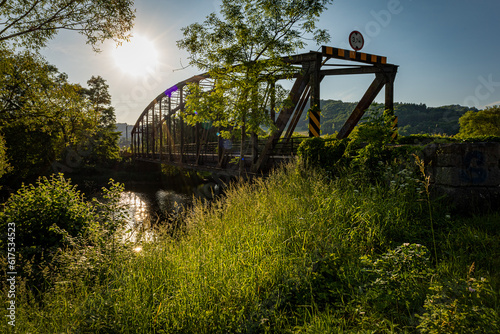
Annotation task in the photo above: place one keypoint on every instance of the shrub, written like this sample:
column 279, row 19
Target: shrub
column 4, row 166
column 39, row 210
column 326, row 153
column 398, row 279
column 459, row 306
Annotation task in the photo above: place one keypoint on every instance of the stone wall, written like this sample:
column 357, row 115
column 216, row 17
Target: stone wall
column 469, row 173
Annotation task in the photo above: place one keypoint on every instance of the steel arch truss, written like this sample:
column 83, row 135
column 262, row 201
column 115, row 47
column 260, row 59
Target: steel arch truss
column 161, row 135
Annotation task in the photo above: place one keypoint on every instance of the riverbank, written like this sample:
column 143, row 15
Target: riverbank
column 296, row 252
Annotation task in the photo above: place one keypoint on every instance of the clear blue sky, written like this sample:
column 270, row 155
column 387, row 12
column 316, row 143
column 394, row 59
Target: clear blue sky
column 447, row 50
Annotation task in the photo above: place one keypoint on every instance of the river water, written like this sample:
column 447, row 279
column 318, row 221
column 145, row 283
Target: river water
column 150, row 204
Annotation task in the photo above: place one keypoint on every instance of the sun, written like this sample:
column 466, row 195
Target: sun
column 137, row 57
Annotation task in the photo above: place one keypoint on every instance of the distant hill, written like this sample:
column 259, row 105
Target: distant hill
column 412, row 118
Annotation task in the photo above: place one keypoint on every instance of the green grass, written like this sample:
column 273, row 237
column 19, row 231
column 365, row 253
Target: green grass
column 293, row 253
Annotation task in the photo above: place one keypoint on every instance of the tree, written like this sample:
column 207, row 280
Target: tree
column 105, row 137
column 242, row 54
column 32, row 23
column 4, row 165
column 41, row 113
column 481, row 123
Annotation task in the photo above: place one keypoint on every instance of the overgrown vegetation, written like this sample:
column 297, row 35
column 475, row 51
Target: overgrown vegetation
column 50, row 124
column 4, row 164
column 296, row 252
column 481, row 123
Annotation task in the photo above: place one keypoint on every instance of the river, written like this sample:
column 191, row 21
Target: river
column 151, row 203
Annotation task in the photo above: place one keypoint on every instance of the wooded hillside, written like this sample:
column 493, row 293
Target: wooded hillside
column 412, row 118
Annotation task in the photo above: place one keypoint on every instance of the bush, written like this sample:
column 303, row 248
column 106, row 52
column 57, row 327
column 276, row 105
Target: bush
column 38, row 211
column 4, row 166
column 459, row 306
column 320, row 152
column 398, row 279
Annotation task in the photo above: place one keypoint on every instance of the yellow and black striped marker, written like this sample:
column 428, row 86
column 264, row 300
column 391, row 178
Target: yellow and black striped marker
column 394, row 128
column 353, row 55
column 314, row 123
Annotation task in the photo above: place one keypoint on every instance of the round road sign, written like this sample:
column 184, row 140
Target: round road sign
column 356, row 40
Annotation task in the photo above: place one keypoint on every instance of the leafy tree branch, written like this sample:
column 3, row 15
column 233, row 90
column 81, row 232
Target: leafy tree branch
column 31, row 24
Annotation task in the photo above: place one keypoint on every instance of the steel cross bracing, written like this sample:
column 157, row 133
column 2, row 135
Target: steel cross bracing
column 160, row 134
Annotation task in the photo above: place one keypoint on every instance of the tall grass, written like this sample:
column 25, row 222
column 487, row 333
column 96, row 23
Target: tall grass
column 295, row 252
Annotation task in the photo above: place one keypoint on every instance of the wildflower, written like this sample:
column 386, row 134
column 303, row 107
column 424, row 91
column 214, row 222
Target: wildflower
column 471, row 289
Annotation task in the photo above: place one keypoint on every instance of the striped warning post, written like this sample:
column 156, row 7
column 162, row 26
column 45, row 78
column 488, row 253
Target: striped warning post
column 331, row 52
column 394, row 127
column 314, row 123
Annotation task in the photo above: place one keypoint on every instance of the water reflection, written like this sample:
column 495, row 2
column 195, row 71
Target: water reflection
column 139, row 223
column 150, row 204
column 149, row 208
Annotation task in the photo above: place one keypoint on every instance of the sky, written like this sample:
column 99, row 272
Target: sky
column 447, row 51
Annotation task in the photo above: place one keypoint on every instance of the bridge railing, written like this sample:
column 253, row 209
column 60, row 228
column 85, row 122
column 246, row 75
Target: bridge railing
column 224, row 153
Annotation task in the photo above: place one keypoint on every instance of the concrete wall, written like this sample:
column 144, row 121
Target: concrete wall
column 469, row 173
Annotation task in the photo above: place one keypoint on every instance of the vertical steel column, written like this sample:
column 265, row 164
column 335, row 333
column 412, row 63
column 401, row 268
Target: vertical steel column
column 181, row 121
column 147, row 133
column 315, row 111
column 153, row 130
column 142, row 137
column 132, row 138
column 389, row 88
column 169, row 129
column 161, row 129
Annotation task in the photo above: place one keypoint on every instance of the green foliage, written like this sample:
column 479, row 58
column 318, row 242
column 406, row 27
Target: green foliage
column 31, row 24
column 36, row 117
column 320, row 152
column 38, row 209
column 57, row 231
column 368, row 146
column 476, row 139
column 365, row 151
column 377, row 129
column 110, row 212
column 102, row 144
column 241, row 51
column 460, row 306
column 398, row 279
column 424, row 139
column 289, row 253
column 481, row 123
column 45, row 119
column 412, row 118
column 4, row 165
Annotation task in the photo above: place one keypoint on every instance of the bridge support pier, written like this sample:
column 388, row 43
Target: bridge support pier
column 315, row 108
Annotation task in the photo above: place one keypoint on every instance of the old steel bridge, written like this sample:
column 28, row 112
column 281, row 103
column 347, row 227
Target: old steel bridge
column 160, row 135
